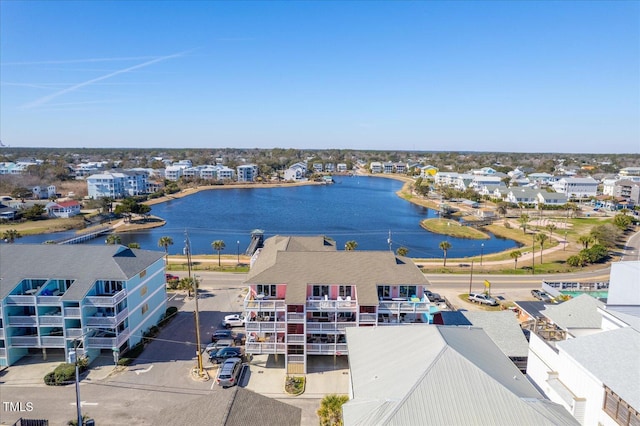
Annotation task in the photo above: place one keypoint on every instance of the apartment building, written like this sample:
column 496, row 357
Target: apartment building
column 117, row 184
column 56, row 297
column 304, row 294
column 577, row 187
column 247, row 172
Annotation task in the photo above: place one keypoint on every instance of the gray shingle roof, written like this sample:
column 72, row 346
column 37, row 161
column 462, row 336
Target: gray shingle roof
column 364, row 269
column 612, row 357
column 579, row 312
column 504, row 330
column 441, row 375
column 82, row 263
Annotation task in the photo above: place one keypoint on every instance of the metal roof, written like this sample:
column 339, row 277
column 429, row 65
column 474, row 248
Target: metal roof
column 84, row 264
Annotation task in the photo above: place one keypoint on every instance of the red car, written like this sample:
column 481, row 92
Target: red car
column 170, row 277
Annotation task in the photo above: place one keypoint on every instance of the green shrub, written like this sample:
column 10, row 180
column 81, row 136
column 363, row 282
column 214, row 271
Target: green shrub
column 65, row 373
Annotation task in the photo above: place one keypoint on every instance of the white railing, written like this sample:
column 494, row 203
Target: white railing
column 404, row 307
column 341, row 326
column 327, row 349
column 20, row 300
column 269, row 305
column 48, row 300
column 296, row 317
column 1, row 333
column 3, row 352
column 106, row 300
column 265, row 326
column 51, row 341
column 295, row 359
column 50, row 320
column 74, row 333
column 72, row 312
column 368, row 318
column 296, row 338
column 99, row 321
column 24, row 341
column 331, row 305
column 23, row 321
column 265, row 348
column 101, row 342
column 321, row 326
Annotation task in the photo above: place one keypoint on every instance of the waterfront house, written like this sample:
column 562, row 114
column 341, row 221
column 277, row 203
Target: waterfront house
column 583, row 353
column 376, row 167
column 303, row 295
column 574, row 187
column 247, row 172
column 341, row 167
column 65, row 209
column 117, row 184
column 439, row 375
column 99, row 298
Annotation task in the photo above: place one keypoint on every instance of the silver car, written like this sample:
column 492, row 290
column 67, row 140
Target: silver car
column 229, row 372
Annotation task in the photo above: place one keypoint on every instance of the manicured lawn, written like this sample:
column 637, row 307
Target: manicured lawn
column 453, row 229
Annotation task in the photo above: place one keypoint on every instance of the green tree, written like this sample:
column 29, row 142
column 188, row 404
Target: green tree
column 606, row 234
column 551, row 227
column 10, row 235
column 34, row 212
column 133, row 245
column 585, row 240
column 165, row 242
column 402, row 251
column 503, row 209
column 622, row 221
column 218, row 245
column 187, row 283
column 524, row 222
column 113, row 239
column 106, row 204
column 350, row 245
column 541, row 238
column 330, row 411
column 515, row 255
column 445, row 246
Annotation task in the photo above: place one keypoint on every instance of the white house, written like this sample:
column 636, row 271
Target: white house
column 63, row 209
column 577, row 187
column 376, row 167
column 247, row 172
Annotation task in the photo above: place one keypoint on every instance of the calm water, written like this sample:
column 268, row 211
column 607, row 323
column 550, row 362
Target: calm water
column 363, row 209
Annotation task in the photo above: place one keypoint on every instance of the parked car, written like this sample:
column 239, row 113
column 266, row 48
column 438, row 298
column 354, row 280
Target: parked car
column 221, row 334
column 225, row 353
column 215, row 347
column 542, row 295
column 235, row 320
column 229, row 372
column 171, row 277
column 433, row 297
column 482, row 298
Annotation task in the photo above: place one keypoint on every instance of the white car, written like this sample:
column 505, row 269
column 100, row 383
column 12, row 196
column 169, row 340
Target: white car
column 235, row 320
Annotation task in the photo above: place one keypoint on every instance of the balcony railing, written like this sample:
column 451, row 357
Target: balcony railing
column 106, row 300
column 265, row 348
column 52, row 341
column 15, row 299
column 367, row 318
column 24, row 341
column 264, row 305
column 74, row 333
column 331, row 305
column 265, row 326
column 403, row 307
column 22, row 321
column 296, row 317
column 1, row 333
column 48, row 300
column 3, row 352
column 50, row 320
column 325, row 327
column 295, row 359
column 296, row 338
column 341, row 326
column 108, row 321
column 326, row 349
column 72, row 312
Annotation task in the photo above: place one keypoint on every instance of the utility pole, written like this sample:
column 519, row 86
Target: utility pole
column 471, row 277
column 75, row 360
column 533, row 253
column 197, row 313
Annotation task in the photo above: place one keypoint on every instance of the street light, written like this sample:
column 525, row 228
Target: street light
column 187, row 249
column 481, row 252
column 533, row 253
column 73, row 357
column 238, row 244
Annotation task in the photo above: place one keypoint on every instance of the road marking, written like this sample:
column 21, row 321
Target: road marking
column 83, row 403
column 143, row 371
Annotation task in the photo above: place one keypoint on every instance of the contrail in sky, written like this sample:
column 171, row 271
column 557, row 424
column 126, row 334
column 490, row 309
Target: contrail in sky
column 79, row 61
column 45, row 99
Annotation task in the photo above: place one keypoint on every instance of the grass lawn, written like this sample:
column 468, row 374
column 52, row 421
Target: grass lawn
column 45, row 226
column 453, row 229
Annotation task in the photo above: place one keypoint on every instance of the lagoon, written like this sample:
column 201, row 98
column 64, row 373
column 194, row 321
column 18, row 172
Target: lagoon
column 359, row 208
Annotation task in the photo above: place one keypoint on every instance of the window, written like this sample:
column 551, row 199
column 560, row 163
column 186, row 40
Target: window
column 266, row 289
column 384, row 291
column 407, row 291
column 143, row 273
column 320, row 290
column 344, row 291
column 145, row 308
column 143, row 290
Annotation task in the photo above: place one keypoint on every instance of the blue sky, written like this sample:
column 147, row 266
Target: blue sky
column 483, row 76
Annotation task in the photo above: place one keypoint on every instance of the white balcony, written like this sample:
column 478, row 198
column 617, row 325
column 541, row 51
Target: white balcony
column 1, row 333
column 48, row 300
column 264, row 305
column 20, row 300
column 331, row 305
column 108, row 321
column 295, row 317
column 342, row 326
column 295, row 359
column 265, row 326
column 367, row 318
column 31, row 341
column 46, row 320
column 52, row 341
column 22, row 321
column 74, row 333
column 296, row 338
column 108, row 301
column 326, row 349
column 72, row 312
column 322, row 327
column 3, row 352
column 389, row 307
column 107, row 342
column 265, row 348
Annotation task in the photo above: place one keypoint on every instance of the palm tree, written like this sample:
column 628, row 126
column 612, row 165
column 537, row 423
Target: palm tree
column 350, row 245
column 113, row 239
column 515, row 255
column 524, row 222
column 444, row 246
column 402, row 251
column 10, row 235
column 218, row 245
column 165, row 242
column 586, row 240
column 503, row 209
column 551, row 227
column 541, row 239
column 187, row 283
column 330, row 411
column 133, row 245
